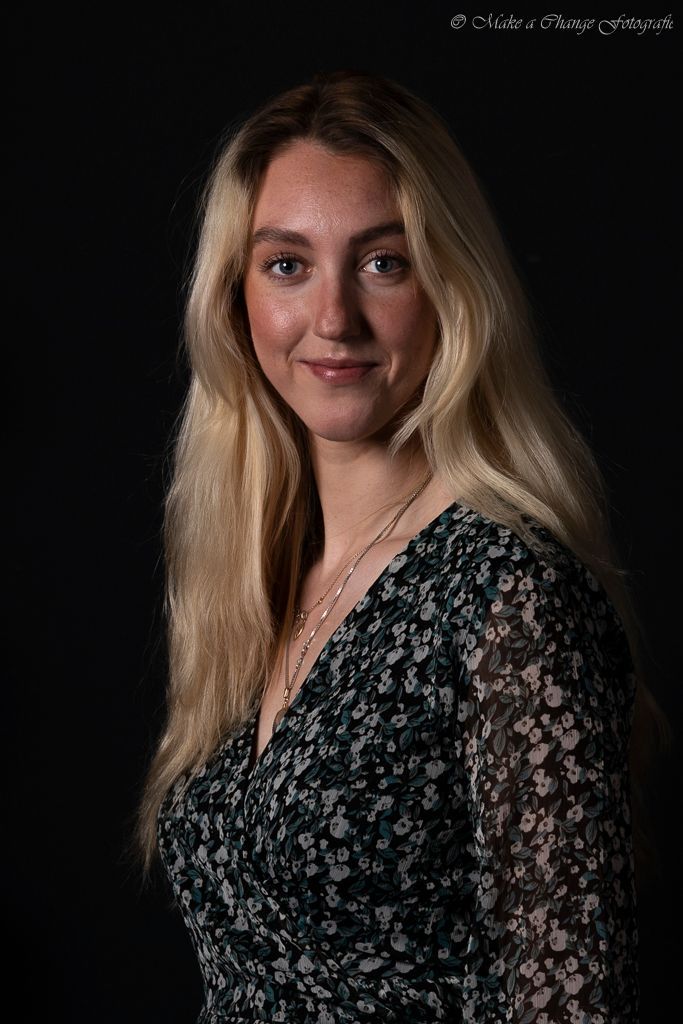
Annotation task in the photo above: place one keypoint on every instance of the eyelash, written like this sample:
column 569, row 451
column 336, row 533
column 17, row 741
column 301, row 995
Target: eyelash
column 283, row 257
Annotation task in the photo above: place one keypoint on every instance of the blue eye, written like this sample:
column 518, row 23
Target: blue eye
column 386, row 258
column 381, row 259
column 283, row 264
column 285, row 261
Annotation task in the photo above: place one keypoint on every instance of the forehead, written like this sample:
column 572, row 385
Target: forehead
column 307, row 183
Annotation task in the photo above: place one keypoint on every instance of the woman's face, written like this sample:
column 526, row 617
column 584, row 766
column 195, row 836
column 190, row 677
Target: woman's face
column 340, row 326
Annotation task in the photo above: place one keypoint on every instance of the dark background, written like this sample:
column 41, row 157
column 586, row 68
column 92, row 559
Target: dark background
column 116, row 114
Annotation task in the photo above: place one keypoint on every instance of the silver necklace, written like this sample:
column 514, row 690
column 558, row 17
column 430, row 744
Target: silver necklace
column 309, row 640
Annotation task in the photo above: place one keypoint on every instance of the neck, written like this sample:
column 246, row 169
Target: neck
column 359, row 488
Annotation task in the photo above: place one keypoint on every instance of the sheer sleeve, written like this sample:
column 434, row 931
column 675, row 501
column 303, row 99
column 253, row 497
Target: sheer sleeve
column 544, row 705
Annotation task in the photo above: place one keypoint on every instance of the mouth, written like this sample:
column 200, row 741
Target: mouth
column 338, row 371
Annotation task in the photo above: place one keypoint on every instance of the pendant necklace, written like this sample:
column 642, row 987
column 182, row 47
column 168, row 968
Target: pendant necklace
column 301, row 615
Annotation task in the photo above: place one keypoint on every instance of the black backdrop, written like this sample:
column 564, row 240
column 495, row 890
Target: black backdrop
column 115, row 115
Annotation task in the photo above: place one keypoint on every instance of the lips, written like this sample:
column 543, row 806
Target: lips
column 338, row 371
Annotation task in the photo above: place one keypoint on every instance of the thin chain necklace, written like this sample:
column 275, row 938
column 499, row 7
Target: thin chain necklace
column 297, row 631
column 301, row 614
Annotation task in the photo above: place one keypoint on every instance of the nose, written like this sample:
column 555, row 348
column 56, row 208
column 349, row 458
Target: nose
column 337, row 315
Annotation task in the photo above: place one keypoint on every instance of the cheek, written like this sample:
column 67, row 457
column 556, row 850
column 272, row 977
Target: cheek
column 414, row 328
column 272, row 322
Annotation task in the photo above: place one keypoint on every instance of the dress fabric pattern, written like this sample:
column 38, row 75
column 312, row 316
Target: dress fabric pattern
column 439, row 829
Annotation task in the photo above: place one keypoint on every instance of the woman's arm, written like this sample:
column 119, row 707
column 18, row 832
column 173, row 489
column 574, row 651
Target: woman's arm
column 545, row 691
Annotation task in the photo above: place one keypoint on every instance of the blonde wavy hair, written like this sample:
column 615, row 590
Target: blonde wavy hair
column 242, row 500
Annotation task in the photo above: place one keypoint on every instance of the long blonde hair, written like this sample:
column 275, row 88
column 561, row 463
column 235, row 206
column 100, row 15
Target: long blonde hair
column 242, row 500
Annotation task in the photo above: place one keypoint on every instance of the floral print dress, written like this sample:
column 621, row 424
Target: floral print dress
column 439, row 829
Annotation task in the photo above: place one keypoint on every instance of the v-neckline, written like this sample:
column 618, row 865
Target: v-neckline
column 252, row 766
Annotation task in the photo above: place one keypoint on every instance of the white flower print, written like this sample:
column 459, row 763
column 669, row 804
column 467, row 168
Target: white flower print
column 433, row 833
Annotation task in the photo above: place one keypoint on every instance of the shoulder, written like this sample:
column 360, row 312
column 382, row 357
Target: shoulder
column 530, row 634
column 478, row 551
column 534, row 582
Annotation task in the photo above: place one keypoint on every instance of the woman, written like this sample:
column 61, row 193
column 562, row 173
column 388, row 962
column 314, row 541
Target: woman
column 394, row 783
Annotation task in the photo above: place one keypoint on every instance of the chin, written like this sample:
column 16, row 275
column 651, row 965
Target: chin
column 340, row 433
column 350, row 429
column 354, row 421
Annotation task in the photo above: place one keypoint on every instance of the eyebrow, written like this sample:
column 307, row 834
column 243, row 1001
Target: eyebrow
column 271, row 234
